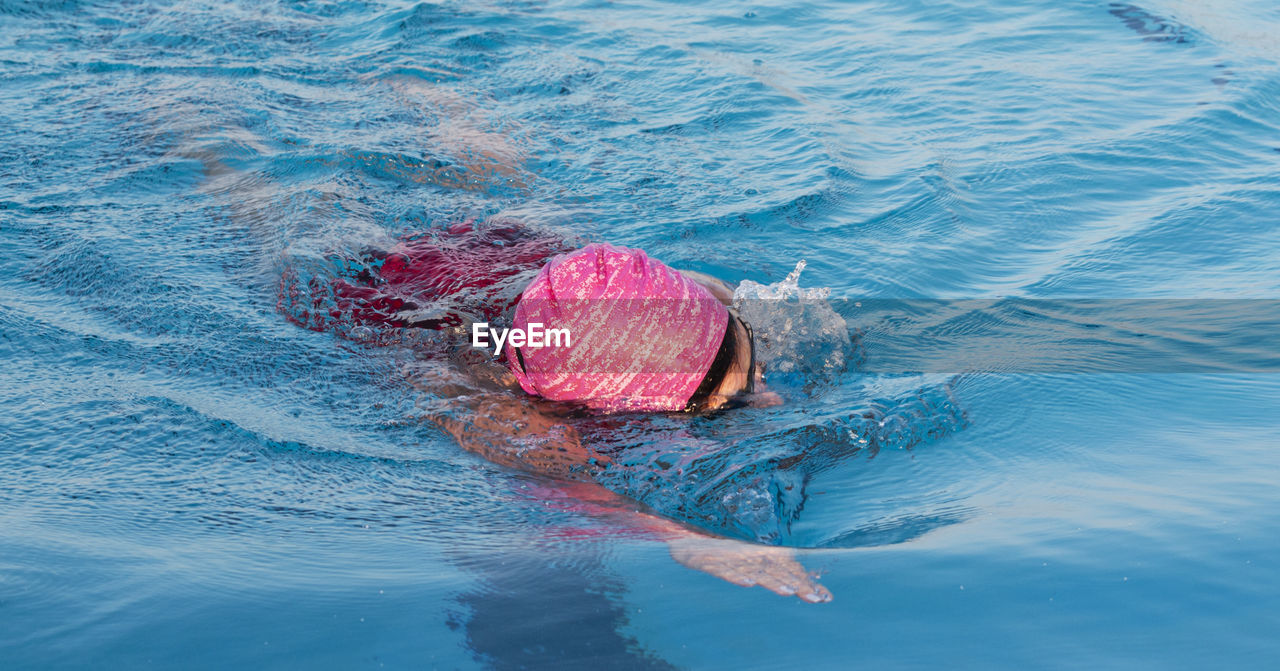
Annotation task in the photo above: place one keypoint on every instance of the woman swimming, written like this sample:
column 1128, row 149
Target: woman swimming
column 441, row 282
column 638, row 335
column 631, row 335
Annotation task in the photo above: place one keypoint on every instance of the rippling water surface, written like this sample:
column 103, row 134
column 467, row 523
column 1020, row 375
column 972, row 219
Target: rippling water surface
column 187, row 480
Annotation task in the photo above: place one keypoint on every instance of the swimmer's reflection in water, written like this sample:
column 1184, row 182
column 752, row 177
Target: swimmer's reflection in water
column 645, row 338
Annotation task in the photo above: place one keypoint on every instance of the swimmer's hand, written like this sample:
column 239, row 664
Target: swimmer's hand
column 746, row 564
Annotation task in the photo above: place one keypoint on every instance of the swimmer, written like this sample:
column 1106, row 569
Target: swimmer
column 641, row 336
column 516, row 414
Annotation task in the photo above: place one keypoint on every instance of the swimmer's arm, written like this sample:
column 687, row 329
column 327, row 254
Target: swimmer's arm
column 522, row 438
column 741, row 563
column 501, row 427
column 515, row 434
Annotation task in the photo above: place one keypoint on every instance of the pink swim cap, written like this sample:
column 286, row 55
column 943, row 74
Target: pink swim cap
column 641, row 335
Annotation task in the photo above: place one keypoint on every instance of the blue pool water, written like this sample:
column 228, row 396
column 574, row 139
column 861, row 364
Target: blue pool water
column 189, row 481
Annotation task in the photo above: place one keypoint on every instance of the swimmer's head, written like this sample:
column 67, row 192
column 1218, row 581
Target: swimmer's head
column 642, row 335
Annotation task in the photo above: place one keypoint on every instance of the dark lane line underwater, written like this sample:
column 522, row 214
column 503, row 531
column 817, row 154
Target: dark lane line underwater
column 954, row 318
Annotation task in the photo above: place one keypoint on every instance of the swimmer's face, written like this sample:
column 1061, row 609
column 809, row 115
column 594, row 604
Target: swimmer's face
column 744, row 375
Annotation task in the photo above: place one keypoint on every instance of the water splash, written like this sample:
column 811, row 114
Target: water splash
column 802, row 343
column 788, row 288
column 746, row 474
